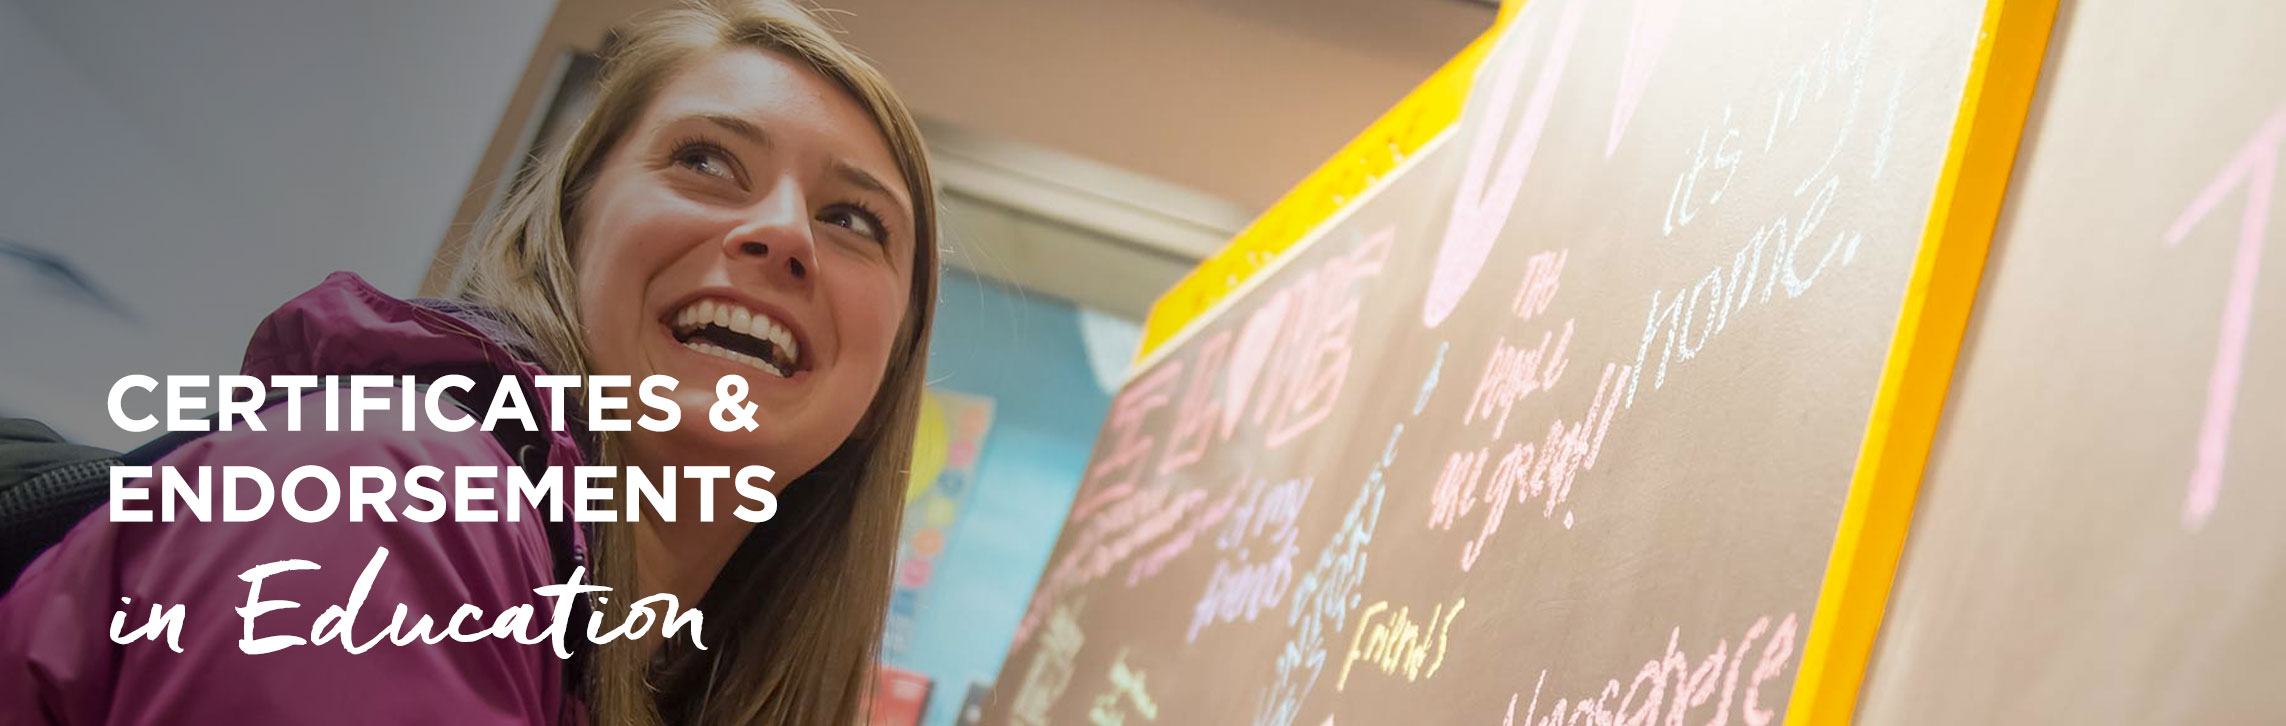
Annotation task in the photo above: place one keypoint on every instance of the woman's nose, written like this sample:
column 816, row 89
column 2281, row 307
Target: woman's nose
column 778, row 236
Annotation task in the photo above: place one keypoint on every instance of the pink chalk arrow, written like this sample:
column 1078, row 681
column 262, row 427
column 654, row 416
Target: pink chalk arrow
column 2255, row 167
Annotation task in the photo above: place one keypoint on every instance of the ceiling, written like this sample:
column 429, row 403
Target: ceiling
column 1234, row 98
column 1094, row 150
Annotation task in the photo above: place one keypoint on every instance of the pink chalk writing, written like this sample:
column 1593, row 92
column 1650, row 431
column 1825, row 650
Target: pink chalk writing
column 1250, row 355
column 1528, row 470
column 1691, row 687
column 1197, row 416
column 1542, row 274
column 1321, row 341
column 1515, row 372
column 1487, row 196
column 1124, row 528
column 2255, row 168
column 1295, row 349
column 1114, row 475
column 1152, row 562
column 1647, row 34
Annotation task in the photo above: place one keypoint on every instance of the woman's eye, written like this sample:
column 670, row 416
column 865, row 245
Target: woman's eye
column 856, row 219
column 705, row 159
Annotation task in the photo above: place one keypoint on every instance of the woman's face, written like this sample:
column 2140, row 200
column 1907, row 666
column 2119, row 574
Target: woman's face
column 752, row 223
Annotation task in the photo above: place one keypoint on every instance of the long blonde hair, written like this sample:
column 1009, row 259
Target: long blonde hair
column 794, row 619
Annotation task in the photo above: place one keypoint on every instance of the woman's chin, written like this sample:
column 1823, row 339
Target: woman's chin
column 698, row 443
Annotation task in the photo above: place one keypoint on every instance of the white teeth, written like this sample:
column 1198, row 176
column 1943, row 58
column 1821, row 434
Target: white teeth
column 736, row 357
column 744, row 321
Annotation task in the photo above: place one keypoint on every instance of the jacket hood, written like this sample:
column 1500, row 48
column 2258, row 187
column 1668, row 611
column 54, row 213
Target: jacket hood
column 345, row 326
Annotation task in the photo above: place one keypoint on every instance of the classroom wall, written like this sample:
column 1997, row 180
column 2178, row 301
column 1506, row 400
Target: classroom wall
column 206, row 161
column 1030, row 355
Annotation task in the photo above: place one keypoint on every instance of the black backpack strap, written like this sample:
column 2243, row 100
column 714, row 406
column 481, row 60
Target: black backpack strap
column 42, row 494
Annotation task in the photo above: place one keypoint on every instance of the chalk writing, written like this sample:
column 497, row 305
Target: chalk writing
column 1729, row 296
column 1319, row 337
column 1152, row 562
column 1126, row 696
column 1888, row 135
column 1542, row 274
column 1486, row 196
column 1810, row 80
column 1527, row 470
column 1725, row 160
column 1653, row 23
column 1833, row 66
column 1108, row 540
column 1249, row 356
column 1051, row 668
column 1270, row 510
column 1397, row 645
column 1515, row 372
column 1240, row 588
column 1324, row 597
column 1159, row 511
column 1296, row 349
column 1197, row 417
column 2255, row 167
column 1691, row 687
column 1116, row 475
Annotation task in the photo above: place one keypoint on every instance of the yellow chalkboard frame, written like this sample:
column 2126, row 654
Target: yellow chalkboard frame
column 1362, row 164
column 2010, row 48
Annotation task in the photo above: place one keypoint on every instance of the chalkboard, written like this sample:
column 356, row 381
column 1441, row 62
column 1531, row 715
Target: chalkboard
column 1558, row 422
column 2101, row 537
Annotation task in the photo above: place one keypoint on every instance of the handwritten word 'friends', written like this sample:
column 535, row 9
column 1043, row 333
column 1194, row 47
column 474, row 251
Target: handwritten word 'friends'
column 1398, row 645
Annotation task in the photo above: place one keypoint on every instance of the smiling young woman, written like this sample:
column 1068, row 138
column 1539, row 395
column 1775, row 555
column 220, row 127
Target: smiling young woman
column 742, row 171
column 747, row 198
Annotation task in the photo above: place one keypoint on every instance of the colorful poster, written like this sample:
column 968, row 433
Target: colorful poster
column 899, row 697
column 945, row 450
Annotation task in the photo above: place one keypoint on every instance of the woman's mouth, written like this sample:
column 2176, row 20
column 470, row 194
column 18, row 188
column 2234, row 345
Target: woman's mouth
column 739, row 334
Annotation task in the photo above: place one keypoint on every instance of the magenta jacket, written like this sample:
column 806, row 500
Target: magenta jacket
column 58, row 664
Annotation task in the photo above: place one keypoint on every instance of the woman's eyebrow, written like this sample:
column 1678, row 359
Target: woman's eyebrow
column 864, row 180
column 734, row 125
